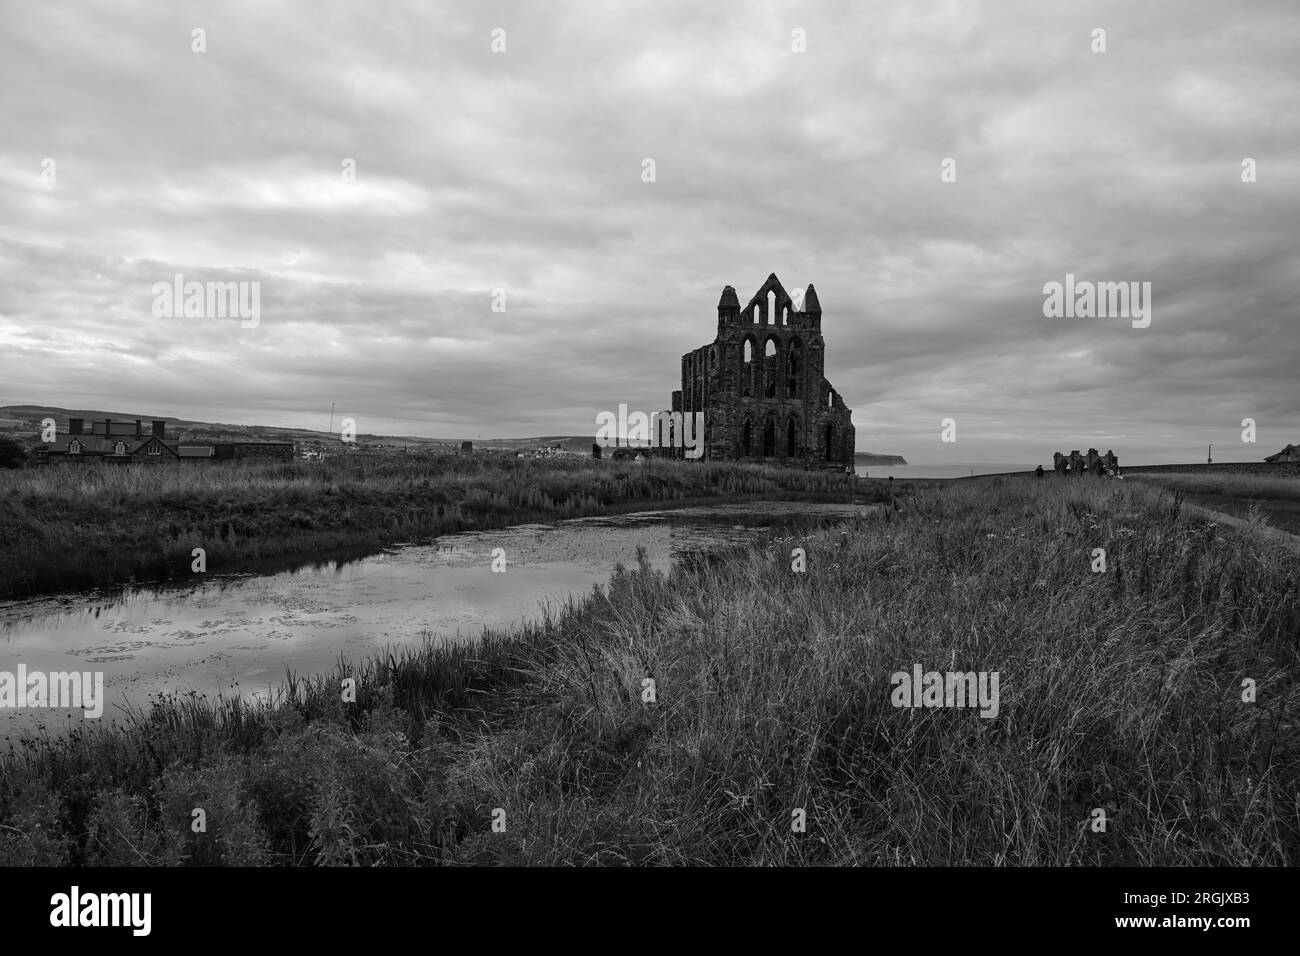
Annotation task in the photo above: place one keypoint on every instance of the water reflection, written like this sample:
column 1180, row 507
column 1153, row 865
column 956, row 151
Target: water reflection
column 239, row 633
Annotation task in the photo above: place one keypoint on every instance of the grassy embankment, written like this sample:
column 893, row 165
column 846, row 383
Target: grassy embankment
column 73, row 526
column 1119, row 690
column 1275, row 499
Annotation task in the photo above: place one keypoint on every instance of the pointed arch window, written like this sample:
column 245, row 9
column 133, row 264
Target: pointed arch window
column 794, row 369
column 747, row 368
column 770, row 374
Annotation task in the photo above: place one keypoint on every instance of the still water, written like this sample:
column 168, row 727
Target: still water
column 944, row 471
column 240, row 633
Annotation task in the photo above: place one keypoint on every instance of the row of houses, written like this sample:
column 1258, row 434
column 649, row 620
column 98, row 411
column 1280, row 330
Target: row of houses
column 128, row 442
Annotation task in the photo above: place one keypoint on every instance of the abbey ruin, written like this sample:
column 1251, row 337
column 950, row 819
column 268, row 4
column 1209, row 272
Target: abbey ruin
column 761, row 387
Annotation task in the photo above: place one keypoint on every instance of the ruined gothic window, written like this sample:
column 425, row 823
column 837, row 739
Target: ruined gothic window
column 745, row 438
column 747, row 369
column 756, row 315
column 793, row 371
column 830, row 441
column 790, row 435
column 769, row 439
column 74, row 448
column 769, row 368
column 771, row 308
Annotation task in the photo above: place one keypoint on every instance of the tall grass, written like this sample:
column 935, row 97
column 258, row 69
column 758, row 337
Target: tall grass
column 1120, row 691
column 69, row 526
column 1227, row 484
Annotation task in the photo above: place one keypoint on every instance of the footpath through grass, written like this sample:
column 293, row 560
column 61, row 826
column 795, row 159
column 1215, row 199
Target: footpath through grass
column 65, row 527
column 1226, row 484
column 1273, row 499
column 1120, row 692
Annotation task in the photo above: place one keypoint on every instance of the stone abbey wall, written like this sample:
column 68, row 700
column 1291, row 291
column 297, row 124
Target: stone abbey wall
column 761, row 384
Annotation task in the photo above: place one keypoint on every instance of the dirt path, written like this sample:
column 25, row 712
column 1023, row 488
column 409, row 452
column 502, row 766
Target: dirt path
column 1214, row 514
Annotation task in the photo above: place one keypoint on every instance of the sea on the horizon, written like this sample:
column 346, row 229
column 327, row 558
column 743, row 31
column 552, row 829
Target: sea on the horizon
column 941, row 471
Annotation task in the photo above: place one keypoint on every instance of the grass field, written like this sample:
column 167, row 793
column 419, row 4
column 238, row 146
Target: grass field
column 73, row 526
column 1274, row 500
column 1227, row 484
column 1121, row 693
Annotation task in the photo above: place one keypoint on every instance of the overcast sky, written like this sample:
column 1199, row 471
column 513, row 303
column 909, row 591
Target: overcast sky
column 522, row 171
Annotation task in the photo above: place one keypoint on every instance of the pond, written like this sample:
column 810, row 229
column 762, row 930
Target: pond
column 241, row 633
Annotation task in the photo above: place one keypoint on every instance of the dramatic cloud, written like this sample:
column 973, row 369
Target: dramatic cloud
column 521, row 171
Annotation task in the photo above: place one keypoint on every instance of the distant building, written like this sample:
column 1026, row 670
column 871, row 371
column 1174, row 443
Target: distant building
column 1092, row 463
column 1289, row 453
column 119, row 442
column 110, row 441
column 239, row 450
column 761, row 387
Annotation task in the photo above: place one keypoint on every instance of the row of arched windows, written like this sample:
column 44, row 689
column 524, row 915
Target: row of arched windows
column 772, row 315
column 764, row 378
column 765, row 444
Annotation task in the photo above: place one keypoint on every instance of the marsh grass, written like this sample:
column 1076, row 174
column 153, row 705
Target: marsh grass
column 1119, row 690
column 64, row 527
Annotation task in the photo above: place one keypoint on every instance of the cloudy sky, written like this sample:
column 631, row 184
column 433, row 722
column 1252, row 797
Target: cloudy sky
column 522, row 171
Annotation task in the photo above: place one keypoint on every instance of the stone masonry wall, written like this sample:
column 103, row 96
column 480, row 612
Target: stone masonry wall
column 793, row 414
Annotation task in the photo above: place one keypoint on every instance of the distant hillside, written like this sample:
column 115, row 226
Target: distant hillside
column 871, row 458
column 22, row 423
